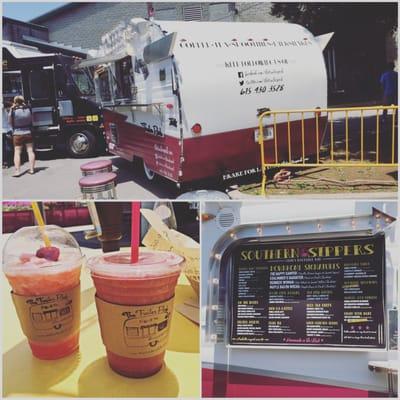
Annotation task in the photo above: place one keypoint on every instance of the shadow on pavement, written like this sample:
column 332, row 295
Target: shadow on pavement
column 127, row 172
column 368, row 141
column 40, row 169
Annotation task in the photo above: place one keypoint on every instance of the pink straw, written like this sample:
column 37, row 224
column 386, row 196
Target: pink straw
column 135, row 231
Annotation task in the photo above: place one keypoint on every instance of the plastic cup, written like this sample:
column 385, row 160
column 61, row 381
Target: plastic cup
column 149, row 282
column 47, row 286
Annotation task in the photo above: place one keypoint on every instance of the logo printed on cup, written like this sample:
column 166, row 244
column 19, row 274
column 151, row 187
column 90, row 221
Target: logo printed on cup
column 135, row 331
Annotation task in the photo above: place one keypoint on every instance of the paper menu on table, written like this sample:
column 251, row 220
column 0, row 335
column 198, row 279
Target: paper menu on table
column 189, row 312
column 160, row 237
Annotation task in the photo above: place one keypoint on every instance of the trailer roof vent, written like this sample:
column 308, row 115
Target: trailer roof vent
column 192, row 13
column 226, row 218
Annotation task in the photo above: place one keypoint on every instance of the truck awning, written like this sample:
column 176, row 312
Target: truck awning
column 101, row 60
column 56, row 47
column 21, row 51
column 156, row 51
column 160, row 49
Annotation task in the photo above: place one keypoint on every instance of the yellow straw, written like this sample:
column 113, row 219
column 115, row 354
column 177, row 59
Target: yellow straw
column 39, row 220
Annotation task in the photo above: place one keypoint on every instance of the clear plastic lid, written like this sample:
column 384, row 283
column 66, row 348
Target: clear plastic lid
column 19, row 252
column 151, row 263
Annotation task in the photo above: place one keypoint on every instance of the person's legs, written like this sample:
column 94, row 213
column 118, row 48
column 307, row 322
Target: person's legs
column 31, row 157
column 17, row 160
column 386, row 102
column 5, row 151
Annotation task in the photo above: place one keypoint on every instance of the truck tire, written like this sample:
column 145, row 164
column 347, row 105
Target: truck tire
column 81, row 144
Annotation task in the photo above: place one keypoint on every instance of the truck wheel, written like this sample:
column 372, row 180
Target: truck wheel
column 81, row 144
column 149, row 173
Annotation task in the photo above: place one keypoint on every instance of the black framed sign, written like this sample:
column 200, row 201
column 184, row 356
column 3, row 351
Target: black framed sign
column 326, row 292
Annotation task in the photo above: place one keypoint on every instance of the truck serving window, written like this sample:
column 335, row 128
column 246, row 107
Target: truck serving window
column 124, row 77
column 83, row 83
column 39, row 83
column 104, row 86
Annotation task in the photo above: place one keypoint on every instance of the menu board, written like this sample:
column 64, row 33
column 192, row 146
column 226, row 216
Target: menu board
column 312, row 292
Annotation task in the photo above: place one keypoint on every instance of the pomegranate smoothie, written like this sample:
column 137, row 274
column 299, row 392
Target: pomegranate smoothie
column 135, row 306
column 45, row 289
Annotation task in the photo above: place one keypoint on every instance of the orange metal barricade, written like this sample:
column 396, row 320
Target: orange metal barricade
column 332, row 116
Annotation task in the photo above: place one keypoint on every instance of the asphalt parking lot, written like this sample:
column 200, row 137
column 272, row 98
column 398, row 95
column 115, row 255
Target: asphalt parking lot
column 57, row 178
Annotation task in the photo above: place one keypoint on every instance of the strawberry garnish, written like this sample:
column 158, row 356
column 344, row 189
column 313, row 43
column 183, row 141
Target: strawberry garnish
column 49, row 253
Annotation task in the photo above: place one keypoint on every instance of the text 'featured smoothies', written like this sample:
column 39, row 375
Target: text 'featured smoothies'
column 134, row 299
column 43, row 266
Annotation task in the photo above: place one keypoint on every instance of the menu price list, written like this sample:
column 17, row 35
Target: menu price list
column 326, row 292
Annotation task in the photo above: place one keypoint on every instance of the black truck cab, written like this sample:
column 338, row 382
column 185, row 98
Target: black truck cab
column 62, row 98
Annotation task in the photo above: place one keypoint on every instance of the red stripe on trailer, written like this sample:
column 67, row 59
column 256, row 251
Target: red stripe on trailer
column 217, row 383
column 220, row 153
column 161, row 154
column 211, row 155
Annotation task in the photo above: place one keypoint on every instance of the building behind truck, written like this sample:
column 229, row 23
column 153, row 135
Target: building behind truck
column 353, row 65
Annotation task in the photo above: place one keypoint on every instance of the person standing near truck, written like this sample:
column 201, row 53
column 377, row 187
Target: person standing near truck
column 389, row 84
column 8, row 151
column 20, row 120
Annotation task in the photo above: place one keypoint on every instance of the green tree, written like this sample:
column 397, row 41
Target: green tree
column 360, row 37
column 319, row 18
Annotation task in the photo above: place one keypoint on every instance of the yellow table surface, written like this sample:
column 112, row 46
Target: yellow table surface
column 86, row 373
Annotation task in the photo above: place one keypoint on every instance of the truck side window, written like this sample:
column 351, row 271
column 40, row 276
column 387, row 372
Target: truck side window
column 124, row 76
column 104, row 85
column 162, row 74
column 12, row 84
column 61, row 81
column 39, row 83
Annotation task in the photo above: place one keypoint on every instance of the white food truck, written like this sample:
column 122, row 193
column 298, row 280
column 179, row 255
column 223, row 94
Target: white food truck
column 183, row 97
column 299, row 299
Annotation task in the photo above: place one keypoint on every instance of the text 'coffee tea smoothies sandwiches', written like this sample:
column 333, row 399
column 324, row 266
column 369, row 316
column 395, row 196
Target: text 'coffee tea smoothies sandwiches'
column 135, row 306
column 45, row 291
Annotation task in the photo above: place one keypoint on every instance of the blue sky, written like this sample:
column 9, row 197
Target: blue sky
column 27, row 11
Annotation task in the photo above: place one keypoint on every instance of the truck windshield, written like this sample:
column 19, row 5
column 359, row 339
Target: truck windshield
column 83, row 82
